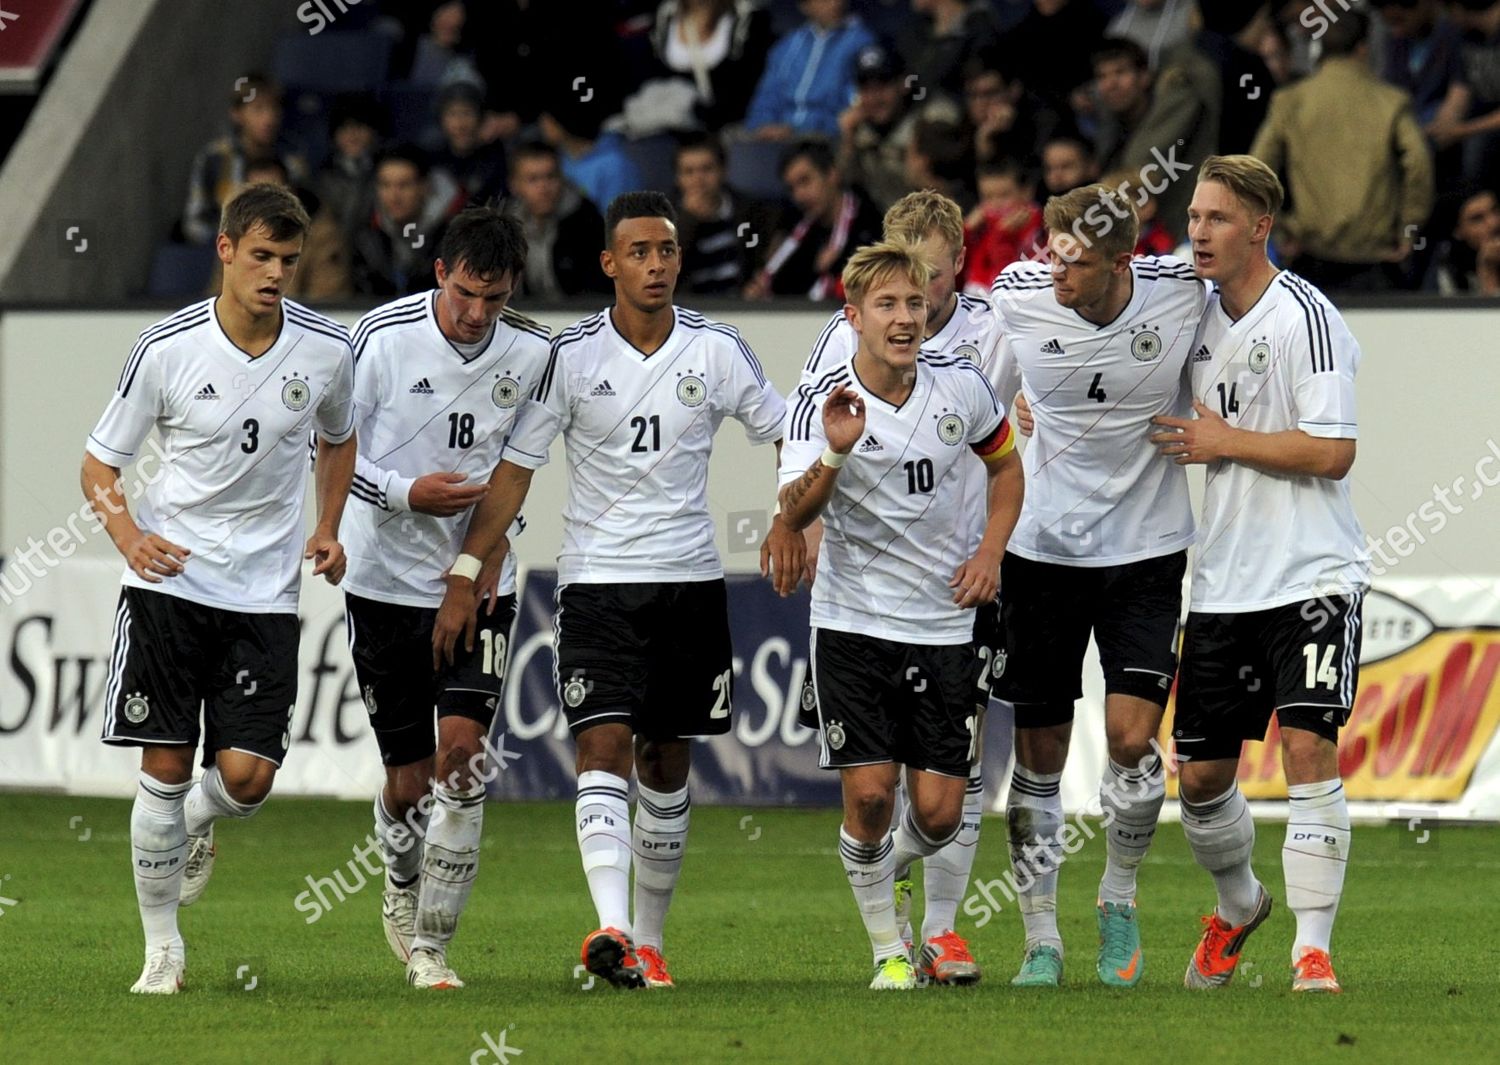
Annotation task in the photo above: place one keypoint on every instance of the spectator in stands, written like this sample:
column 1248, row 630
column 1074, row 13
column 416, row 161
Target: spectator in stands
column 219, row 169
column 392, row 254
column 809, row 76
column 724, row 235
column 1158, row 26
column 1275, row 51
column 1229, row 75
column 564, row 231
column 346, row 182
column 876, row 128
column 713, row 52
column 541, row 56
column 938, row 157
column 1472, row 122
column 592, row 159
column 1048, row 50
column 1004, row 227
column 831, row 220
column 1358, row 178
column 939, row 46
column 477, row 169
column 1158, row 128
column 1067, row 162
column 439, row 54
column 1423, row 55
column 1153, row 238
column 1006, row 122
column 323, row 268
column 1470, row 263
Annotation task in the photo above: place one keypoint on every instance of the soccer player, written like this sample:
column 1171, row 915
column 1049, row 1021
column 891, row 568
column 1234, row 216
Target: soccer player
column 893, row 662
column 958, row 326
column 1279, row 579
column 208, row 614
column 441, row 376
column 644, row 662
column 1098, row 342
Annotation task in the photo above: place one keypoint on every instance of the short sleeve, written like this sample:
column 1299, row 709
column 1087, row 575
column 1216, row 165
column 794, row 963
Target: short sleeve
column 1322, row 356
column 804, row 441
column 835, row 346
column 132, row 412
column 990, row 434
column 545, row 414
column 335, row 416
column 751, row 399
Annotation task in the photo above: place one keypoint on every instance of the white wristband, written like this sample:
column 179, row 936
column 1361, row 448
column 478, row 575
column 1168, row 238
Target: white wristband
column 832, row 459
column 466, row 566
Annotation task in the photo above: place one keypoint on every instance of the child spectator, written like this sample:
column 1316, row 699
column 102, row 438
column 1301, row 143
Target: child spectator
column 1005, row 227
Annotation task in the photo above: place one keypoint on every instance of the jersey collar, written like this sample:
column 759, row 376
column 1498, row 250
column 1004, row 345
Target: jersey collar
column 465, row 359
column 667, row 341
column 230, row 346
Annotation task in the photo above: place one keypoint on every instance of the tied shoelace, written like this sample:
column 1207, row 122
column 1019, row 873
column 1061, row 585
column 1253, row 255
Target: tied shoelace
column 161, row 964
column 1314, row 965
column 1116, row 935
column 655, row 963
column 1216, row 936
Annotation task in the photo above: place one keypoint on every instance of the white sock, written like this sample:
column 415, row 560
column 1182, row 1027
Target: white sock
column 400, row 842
column 1313, row 859
column 1033, row 815
column 1221, row 834
column 603, row 819
column 158, row 850
column 871, row 869
column 1131, row 799
column 658, row 839
column 899, row 803
column 909, row 843
column 450, row 862
column 945, row 875
column 209, row 800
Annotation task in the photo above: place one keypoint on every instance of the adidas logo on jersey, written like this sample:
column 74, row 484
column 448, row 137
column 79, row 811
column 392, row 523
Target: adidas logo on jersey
column 207, row 392
column 1053, row 347
column 870, row 444
column 603, row 389
column 1202, row 355
column 422, row 387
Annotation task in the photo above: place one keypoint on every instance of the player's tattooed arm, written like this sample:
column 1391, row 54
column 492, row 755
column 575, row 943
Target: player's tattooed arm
column 783, row 554
column 843, row 424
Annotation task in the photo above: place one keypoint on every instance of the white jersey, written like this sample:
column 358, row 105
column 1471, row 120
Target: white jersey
column 1271, row 539
column 234, row 431
column 966, row 334
column 422, row 405
column 895, row 530
column 638, row 431
column 1098, row 493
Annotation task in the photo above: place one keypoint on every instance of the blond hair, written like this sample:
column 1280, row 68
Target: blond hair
column 922, row 214
column 1253, row 183
column 873, row 264
column 1097, row 216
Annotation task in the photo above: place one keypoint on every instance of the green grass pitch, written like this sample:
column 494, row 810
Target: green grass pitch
column 764, row 941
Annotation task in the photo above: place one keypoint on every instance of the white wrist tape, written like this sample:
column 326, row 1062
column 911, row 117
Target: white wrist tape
column 832, row 459
column 466, row 566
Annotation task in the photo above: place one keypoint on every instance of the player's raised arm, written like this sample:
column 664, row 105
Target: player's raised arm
column 803, row 499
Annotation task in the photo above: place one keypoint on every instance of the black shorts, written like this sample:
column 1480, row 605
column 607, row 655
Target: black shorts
column 882, row 701
column 174, row 659
column 654, row 656
column 391, row 644
column 1048, row 611
column 1299, row 661
column 989, row 646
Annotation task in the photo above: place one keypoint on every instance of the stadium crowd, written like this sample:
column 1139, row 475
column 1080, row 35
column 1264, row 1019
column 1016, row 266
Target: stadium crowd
column 783, row 129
